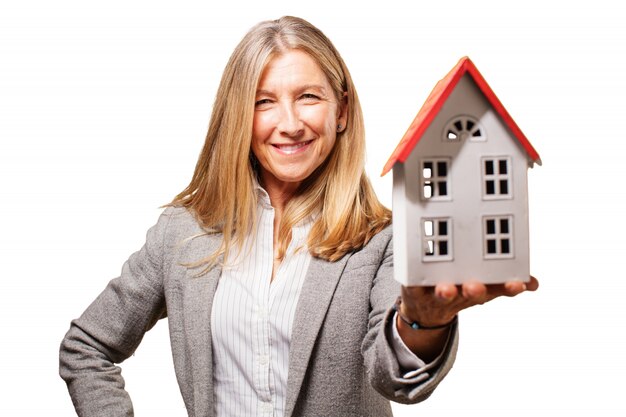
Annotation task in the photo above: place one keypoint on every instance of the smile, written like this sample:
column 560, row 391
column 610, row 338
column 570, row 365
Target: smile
column 289, row 149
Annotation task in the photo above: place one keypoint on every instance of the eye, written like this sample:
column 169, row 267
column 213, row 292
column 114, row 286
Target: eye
column 261, row 102
column 309, row 96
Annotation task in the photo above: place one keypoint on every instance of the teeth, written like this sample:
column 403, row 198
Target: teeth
column 289, row 149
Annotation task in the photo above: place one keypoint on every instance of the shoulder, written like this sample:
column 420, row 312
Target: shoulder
column 179, row 220
column 382, row 241
column 175, row 224
column 385, row 235
column 178, row 214
column 183, row 238
column 376, row 251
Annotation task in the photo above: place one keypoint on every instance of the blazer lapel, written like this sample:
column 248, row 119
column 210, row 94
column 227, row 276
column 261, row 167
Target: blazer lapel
column 198, row 296
column 317, row 292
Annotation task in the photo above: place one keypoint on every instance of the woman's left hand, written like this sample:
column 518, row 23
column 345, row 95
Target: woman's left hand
column 432, row 306
column 438, row 305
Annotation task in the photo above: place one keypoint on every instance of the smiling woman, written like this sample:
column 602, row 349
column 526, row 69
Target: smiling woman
column 297, row 117
column 296, row 121
column 287, row 84
column 275, row 265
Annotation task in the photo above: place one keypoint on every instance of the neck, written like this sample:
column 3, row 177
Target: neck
column 280, row 192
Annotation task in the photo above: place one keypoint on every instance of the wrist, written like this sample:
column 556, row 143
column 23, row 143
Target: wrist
column 414, row 324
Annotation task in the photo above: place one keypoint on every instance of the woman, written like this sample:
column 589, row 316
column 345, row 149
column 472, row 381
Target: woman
column 274, row 266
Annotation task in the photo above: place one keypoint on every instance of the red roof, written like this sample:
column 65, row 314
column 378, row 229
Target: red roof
column 435, row 101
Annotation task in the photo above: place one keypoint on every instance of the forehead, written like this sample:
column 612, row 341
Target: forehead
column 292, row 68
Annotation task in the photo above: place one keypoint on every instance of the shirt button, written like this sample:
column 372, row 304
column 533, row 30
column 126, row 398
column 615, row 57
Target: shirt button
column 264, row 359
column 266, row 407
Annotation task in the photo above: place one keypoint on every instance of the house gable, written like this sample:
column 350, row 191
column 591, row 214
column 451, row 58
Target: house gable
column 438, row 98
column 461, row 156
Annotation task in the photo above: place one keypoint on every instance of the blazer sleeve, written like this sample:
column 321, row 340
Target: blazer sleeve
column 384, row 372
column 111, row 328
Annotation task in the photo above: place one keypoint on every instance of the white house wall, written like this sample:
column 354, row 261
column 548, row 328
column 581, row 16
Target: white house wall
column 405, row 229
column 467, row 206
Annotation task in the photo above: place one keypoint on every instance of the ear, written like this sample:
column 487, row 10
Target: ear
column 342, row 116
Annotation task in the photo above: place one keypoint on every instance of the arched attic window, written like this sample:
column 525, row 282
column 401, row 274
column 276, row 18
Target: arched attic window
column 461, row 128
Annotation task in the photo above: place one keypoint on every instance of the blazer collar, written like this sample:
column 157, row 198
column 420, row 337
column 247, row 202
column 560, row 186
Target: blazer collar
column 317, row 292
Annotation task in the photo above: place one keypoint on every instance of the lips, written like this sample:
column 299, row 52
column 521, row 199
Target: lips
column 291, row 148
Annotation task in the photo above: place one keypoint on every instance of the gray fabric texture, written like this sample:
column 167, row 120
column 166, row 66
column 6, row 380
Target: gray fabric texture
column 341, row 361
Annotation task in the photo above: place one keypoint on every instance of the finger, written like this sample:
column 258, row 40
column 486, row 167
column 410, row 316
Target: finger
column 446, row 292
column 533, row 284
column 474, row 291
column 512, row 288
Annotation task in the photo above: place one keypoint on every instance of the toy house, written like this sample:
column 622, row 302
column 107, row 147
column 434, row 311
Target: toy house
column 460, row 189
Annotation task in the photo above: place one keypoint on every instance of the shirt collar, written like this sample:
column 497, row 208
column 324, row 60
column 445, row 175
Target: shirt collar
column 263, row 197
column 302, row 228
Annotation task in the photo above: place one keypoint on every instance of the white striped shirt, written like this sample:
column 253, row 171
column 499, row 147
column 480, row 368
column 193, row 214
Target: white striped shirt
column 252, row 318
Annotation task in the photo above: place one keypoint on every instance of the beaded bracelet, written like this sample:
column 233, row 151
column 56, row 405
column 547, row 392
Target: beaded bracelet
column 416, row 325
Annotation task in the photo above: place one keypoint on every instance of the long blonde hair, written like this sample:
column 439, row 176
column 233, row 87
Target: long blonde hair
column 221, row 193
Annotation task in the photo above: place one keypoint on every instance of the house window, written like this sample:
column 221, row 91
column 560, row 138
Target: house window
column 435, row 181
column 437, row 239
column 462, row 128
column 496, row 177
column 498, row 237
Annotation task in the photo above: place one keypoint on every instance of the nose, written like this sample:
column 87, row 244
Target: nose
column 290, row 124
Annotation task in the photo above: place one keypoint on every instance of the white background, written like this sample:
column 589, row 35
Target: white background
column 104, row 108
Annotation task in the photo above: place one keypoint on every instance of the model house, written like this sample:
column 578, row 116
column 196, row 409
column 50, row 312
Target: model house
column 460, row 189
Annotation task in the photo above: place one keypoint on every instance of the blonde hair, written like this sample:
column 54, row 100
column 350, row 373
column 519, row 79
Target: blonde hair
column 221, row 193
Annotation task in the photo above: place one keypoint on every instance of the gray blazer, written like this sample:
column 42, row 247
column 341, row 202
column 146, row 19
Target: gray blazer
column 340, row 360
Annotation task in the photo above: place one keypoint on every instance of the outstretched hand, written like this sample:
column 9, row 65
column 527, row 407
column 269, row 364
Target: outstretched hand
column 432, row 306
column 438, row 305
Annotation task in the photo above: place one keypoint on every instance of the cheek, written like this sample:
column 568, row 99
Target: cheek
column 257, row 137
column 262, row 126
column 323, row 122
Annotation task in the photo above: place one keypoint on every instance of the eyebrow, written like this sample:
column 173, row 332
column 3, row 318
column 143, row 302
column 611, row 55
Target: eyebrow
column 314, row 87
column 299, row 90
column 264, row 93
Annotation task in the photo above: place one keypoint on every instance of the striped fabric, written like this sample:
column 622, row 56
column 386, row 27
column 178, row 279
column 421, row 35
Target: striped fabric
column 252, row 319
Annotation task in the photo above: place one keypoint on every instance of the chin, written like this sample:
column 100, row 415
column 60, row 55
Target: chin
column 292, row 178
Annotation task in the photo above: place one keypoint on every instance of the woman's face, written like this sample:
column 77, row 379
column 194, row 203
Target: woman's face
column 296, row 120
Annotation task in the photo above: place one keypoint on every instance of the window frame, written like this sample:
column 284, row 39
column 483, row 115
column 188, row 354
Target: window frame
column 498, row 236
column 436, row 238
column 463, row 133
column 496, row 178
column 434, row 180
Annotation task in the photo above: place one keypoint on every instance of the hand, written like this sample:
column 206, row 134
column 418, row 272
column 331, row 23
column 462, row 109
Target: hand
column 433, row 306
